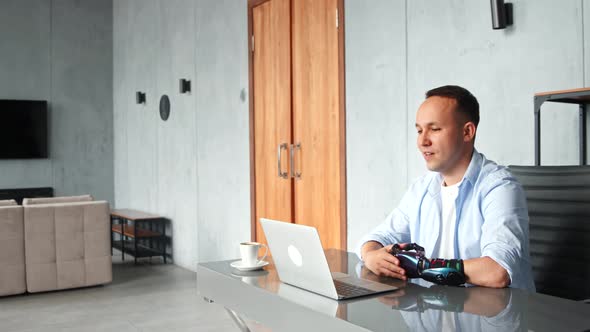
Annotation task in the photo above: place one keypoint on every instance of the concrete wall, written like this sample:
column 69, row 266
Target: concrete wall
column 61, row 51
column 193, row 168
column 223, row 157
column 376, row 117
column 586, row 34
column 177, row 144
column 452, row 42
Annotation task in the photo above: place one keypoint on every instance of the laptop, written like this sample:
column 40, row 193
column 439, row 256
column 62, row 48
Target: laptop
column 300, row 261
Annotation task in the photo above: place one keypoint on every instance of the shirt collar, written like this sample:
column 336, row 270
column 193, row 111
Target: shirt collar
column 474, row 168
column 470, row 175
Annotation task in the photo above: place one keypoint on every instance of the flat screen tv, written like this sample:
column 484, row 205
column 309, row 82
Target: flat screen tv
column 23, row 129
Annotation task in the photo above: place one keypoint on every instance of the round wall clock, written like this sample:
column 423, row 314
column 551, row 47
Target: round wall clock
column 164, row 107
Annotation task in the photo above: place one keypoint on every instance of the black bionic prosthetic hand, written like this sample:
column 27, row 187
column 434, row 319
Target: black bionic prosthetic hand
column 437, row 270
column 419, row 298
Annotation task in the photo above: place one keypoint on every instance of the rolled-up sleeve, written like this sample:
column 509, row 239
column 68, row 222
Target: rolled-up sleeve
column 505, row 232
column 394, row 229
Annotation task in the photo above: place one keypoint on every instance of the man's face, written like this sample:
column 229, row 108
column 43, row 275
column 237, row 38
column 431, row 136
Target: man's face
column 441, row 136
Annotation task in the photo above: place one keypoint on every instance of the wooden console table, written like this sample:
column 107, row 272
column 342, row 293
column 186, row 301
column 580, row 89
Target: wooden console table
column 138, row 232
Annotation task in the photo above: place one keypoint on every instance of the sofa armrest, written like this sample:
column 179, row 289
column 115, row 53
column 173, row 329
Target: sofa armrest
column 12, row 250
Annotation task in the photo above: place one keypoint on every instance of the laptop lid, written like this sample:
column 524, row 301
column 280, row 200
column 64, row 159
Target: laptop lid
column 299, row 257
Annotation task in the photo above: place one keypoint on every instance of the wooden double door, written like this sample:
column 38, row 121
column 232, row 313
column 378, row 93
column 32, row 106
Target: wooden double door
column 297, row 116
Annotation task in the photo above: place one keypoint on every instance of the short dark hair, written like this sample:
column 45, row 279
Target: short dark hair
column 466, row 103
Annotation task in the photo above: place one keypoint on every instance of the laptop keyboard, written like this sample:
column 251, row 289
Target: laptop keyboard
column 348, row 290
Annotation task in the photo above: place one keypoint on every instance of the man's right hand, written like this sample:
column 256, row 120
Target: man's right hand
column 380, row 261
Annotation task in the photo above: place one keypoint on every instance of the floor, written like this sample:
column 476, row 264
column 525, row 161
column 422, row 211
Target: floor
column 143, row 297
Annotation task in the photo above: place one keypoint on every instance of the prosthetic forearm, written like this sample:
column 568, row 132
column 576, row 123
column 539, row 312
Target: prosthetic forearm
column 418, row 298
column 437, row 270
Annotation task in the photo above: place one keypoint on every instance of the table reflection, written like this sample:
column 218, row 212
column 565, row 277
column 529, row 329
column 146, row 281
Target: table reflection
column 417, row 305
column 423, row 306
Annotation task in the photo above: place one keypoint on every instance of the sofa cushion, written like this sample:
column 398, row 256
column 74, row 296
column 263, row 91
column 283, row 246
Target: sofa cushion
column 61, row 199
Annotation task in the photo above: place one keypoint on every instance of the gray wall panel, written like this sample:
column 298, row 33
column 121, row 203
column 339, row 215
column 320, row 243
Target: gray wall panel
column 25, row 44
column 206, row 136
column 586, row 25
column 155, row 160
column 61, row 51
column 82, row 98
column 142, row 119
column 123, row 99
column 376, row 111
column 222, row 128
column 177, row 151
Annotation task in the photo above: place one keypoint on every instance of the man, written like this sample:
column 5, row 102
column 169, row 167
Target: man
column 468, row 208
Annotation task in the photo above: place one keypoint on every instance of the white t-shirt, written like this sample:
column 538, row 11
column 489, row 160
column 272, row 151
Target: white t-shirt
column 448, row 196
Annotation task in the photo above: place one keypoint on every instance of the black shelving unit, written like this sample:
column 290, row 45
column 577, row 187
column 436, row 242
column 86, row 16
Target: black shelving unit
column 140, row 251
column 140, row 234
column 580, row 97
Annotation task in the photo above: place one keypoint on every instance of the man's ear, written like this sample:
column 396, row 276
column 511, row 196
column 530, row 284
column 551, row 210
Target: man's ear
column 469, row 130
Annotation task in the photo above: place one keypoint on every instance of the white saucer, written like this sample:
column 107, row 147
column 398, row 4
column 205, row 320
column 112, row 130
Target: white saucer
column 238, row 265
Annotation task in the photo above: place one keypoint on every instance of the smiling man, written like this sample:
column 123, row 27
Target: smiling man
column 468, row 211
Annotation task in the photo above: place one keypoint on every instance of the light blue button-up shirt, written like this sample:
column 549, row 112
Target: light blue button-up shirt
column 492, row 219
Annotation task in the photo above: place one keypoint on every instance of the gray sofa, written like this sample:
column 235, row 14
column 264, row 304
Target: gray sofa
column 54, row 243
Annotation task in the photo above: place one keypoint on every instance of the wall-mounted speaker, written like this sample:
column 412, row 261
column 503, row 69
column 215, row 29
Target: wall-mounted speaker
column 185, row 85
column 140, row 97
column 501, row 14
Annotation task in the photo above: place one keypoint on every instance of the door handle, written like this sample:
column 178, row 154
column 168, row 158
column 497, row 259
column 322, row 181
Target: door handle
column 294, row 174
column 282, row 174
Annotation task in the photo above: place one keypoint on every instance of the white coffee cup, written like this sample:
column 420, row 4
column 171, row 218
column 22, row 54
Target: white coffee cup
column 249, row 252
